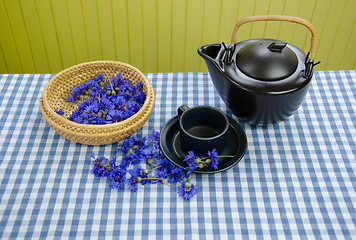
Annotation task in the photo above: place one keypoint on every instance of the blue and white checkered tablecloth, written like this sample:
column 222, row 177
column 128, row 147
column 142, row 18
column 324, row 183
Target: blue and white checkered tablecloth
column 296, row 180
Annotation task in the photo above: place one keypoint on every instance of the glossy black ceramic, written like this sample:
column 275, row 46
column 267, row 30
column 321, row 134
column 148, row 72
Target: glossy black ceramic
column 235, row 145
column 259, row 91
column 202, row 128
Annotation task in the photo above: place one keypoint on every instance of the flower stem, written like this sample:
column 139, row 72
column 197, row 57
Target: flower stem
column 164, row 181
column 112, row 88
column 153, row 167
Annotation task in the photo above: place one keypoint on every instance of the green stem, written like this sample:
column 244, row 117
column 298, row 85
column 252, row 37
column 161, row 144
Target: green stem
column 226, row 156
column 112, row 88
column 151, row 178
column 153, row 167
column 156, row 178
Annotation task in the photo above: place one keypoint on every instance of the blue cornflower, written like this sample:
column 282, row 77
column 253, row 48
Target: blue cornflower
column 136, row 171
column 213, row 159
column 128, row 113
column 84, row 104
column 112, row 162
column 100, row 77
column 164, row 163
column 105, row 103
column 125, row 146
column 139, row 173
column 127, row 159
column 190, row 160
column 177, row 174
column 138, row 142
column 84, row 85
column 132, row 184
column 60, row 111
column 161, row 175
column 117, row 79
column 139, row 85
column 76, row 91
column 114, row 116
column 72, row 98
column 85, row 116
column 100, row 166
column 126, row 87
column 147, row 154
column 96, row 120
column 139, row 98
column 132, row 106
column 93, row 84
column 117, row 102
column 187, row 190
column 93, row 107
column 129, row 146
column 117, row 177
column 75, row 117
column 155, row 139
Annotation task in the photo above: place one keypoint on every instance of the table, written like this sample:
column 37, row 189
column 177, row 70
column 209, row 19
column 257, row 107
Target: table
column 296, row 180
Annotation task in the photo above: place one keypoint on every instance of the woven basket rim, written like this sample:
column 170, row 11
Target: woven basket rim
column 123, row 124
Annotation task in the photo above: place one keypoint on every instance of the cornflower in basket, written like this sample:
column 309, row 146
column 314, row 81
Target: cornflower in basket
column 104, row 103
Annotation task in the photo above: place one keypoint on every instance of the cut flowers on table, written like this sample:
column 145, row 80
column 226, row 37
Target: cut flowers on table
column 140, row 161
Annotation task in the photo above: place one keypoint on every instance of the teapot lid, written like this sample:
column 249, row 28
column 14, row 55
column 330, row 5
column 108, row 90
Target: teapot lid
column 267, row 60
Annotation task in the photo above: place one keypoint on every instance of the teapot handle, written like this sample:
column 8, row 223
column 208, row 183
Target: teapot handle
column 278, row 18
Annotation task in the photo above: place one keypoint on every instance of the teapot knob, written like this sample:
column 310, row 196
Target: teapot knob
column 277, row 46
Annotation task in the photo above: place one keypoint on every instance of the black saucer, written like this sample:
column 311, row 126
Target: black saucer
column 236, row 145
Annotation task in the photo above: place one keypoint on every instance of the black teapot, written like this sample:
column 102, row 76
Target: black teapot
column 262, row 81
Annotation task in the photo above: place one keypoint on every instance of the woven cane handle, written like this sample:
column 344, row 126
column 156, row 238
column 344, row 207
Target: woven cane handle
column 278, row 18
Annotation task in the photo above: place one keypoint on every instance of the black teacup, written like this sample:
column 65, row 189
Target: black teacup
column 202, row 129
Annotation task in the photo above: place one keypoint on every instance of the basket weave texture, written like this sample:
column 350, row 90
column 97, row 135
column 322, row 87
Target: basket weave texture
column 59, row 87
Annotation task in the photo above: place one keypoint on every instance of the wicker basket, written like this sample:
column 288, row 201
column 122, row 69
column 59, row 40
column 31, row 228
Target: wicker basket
column 59, row 87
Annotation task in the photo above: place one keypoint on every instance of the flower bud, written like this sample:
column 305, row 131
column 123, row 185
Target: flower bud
column 188, row 185
column 138, row 179
column 201, row 165
column 145, row 171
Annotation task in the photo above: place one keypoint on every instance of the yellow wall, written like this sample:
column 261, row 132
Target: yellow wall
column 46, row 36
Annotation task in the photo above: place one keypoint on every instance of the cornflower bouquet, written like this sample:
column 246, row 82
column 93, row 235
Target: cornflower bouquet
column 104, row 103
column 143, row 162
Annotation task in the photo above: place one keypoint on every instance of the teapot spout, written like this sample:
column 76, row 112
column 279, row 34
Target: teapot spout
column 210, row 52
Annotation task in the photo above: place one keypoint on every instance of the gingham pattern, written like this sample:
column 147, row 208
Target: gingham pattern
column 297, row 179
